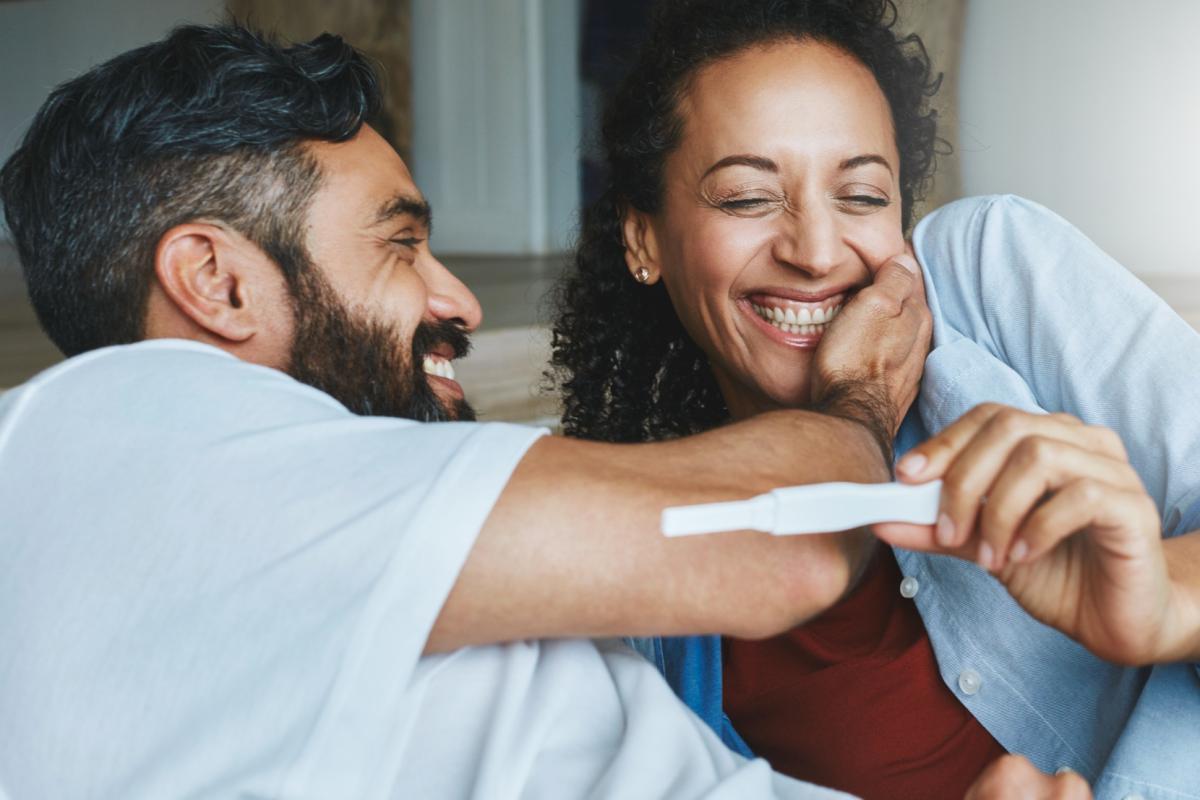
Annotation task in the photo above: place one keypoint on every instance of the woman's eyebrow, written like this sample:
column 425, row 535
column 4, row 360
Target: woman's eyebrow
column 858, row 161
column 758, row 162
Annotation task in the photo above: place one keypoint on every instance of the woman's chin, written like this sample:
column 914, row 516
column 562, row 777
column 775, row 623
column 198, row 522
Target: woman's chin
column 769, row 397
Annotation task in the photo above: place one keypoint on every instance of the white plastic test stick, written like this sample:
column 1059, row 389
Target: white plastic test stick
column 815, row 508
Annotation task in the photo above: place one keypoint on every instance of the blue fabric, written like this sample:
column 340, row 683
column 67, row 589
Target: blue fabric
column 1028, row 312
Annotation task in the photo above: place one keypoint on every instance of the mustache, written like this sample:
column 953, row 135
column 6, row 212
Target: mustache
column 430, row 335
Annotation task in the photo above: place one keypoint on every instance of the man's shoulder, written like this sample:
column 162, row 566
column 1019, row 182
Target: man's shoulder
column 165, row 374
column 154, row 359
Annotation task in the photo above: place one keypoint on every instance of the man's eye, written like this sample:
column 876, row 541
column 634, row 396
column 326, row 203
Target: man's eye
column 409, row 241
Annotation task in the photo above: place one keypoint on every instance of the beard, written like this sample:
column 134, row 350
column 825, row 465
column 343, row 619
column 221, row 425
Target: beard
column 363, row 363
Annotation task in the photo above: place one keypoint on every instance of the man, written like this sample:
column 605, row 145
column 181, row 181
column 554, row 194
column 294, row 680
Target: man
column 234, row 563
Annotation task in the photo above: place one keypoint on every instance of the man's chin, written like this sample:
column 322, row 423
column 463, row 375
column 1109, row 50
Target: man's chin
column 454, row 410
column 450, row 396
column 460, row 411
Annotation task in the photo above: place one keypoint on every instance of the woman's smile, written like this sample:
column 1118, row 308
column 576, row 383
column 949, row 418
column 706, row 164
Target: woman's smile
column 793, row 319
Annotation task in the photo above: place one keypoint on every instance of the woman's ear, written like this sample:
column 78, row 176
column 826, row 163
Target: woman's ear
column 209, row 275
column 641, row 247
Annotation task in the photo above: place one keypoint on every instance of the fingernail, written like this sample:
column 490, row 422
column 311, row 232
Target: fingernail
column 985, row 555
column 945, row 530
column 1019, row 551
column 906, row 261
column 912, row 464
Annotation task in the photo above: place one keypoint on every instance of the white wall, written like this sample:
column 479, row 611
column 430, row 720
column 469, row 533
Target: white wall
column 1091, row 107
column 496, row 122
column 45, row 42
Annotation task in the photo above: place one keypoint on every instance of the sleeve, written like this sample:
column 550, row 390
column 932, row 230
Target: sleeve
column 370, row 697
column 1081, row 332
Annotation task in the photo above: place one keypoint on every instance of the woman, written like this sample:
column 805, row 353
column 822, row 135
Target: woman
column 765, row 158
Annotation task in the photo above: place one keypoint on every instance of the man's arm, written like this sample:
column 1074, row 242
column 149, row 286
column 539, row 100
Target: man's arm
column 573, row 546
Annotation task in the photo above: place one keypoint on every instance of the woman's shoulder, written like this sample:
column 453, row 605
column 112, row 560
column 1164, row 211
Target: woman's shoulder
column 990, row 238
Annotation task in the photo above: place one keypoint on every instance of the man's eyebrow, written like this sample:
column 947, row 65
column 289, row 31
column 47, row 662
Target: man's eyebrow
column 858, row 161
column 758, row 162
column 406, row 205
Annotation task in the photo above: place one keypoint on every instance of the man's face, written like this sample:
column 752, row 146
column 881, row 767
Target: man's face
column 378, row 319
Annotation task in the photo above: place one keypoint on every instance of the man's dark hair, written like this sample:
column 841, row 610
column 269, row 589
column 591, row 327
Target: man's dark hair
column 627, row 369
column 207, row 124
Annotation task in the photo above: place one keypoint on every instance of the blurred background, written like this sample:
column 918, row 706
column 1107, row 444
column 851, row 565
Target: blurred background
column 1091, row 107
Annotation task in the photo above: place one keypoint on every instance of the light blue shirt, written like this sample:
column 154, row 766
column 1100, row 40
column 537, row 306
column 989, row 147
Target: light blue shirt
column 1028, row 312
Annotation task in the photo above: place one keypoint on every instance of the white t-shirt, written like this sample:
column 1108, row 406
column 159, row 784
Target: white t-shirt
column 217, row 582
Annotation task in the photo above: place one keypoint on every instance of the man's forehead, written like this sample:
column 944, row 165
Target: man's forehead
column 366, row 175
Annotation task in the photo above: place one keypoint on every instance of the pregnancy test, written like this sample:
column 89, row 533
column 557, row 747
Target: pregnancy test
column 815, row 508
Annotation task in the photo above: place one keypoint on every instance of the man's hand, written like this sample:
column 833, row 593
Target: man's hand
column 1053, row 508
column 1014, row 778
column 873, row 354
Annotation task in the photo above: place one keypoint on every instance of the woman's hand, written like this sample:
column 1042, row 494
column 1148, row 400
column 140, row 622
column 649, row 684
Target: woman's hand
column 1014, row 778
column 1053, row 508
column 879, row 339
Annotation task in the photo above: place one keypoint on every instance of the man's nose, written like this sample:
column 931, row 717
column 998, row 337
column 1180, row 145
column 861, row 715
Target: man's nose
column 450, row 300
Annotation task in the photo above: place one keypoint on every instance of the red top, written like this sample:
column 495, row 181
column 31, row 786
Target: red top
column 853, row 699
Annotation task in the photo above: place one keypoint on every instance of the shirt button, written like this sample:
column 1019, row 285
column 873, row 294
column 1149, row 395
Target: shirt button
column 969, row 681
column 909, row 587
column 1064, row 770
column 1134, row 796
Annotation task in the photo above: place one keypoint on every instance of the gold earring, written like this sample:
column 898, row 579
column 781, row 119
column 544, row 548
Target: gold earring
column 641, row 275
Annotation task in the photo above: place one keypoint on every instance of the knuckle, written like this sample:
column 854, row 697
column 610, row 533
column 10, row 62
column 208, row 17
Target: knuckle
column 1108, row 440
column 882, row 305
column 1089, row 491
column 1072, row 786
column 1009, row 422
column 1014, row 765
column 987, row 410
column 1034, row 450
column 953, row 485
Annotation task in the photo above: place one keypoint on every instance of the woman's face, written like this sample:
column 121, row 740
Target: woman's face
column 782, row 199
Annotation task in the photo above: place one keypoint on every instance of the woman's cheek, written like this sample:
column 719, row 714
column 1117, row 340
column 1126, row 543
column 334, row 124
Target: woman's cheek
column 878, row 250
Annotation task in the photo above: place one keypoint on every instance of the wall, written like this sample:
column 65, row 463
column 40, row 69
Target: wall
column 496, row 122
column 1091, row 107
column 45, row 42
column 378, row 28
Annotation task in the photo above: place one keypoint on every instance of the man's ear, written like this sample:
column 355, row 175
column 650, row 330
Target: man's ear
column 212, row 277
column 641, row 246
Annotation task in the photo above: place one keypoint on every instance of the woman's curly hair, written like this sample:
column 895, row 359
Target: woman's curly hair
column 627, row 370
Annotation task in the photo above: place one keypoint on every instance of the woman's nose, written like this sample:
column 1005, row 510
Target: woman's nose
column 809, row 241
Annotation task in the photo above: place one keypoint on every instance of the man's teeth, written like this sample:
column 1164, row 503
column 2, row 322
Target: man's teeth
column 439, row 367
column 802, row 321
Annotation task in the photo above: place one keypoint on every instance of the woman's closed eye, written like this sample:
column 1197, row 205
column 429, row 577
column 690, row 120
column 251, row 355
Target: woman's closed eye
column 861, row 200
column 745, row 204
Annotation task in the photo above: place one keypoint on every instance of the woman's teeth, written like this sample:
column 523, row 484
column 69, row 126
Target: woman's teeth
column 439, row 367
column 803, row 321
